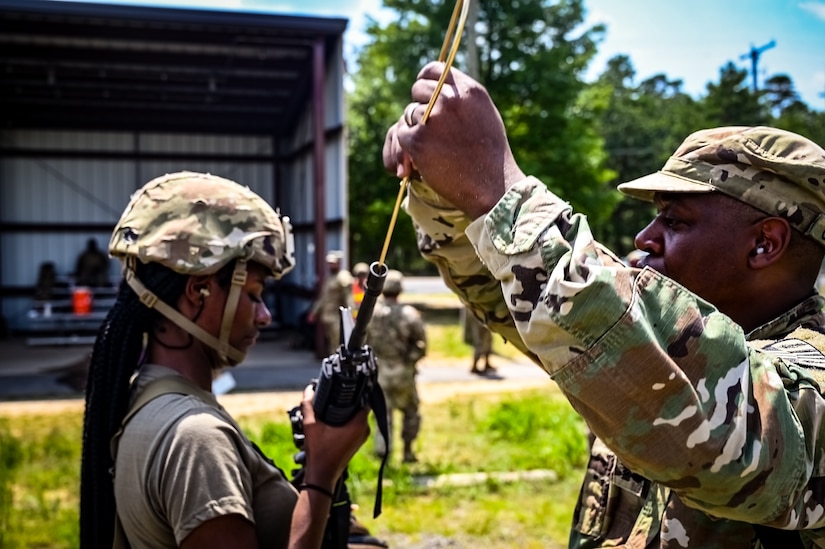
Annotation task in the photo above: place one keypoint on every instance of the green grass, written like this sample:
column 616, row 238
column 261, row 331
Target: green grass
column 520, row 431
column 39, row 481
column 480, row 433
column 445, row 338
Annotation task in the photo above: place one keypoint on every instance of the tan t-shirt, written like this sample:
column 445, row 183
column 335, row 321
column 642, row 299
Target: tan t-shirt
column 182, row 461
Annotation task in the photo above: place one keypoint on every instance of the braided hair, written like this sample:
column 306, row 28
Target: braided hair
column 115, row 357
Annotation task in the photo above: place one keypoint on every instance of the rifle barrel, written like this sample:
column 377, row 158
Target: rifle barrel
column 375, row 284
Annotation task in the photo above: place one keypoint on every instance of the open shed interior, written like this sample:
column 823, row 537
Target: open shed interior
column 97, row 99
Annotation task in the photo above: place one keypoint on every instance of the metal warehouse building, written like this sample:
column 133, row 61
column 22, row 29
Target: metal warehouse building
column 97, row 99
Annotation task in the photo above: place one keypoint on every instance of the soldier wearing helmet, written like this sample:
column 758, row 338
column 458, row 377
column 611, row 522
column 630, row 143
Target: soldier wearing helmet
column 398, row 337
column 197, row 250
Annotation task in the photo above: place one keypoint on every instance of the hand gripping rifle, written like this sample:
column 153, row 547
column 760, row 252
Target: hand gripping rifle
column 347, row 377
column 347, row 382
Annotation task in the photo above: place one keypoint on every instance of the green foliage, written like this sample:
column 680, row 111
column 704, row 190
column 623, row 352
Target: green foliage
column 580, row 139
column 641, row 125
column 798, row 118
column 550, row 433
column 11, row 457
column 533, row 55
column 730, row 102
column 38, row 482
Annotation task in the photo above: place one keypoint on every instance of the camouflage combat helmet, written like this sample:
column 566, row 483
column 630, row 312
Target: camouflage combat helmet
column 392, row 284
column 195, row 224
column 776, row 171
column 361, row 268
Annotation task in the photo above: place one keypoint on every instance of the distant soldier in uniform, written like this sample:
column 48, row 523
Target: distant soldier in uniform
column 92, row 267
column 700, row 370
column 336, row 293
column 359, row 286
column 397, row 335
column 480, row 337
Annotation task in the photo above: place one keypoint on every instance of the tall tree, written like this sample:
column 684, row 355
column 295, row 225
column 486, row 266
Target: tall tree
column 531, row 57
column 730, row 102
column 780, row 93
column 798, row 118
column 641, row 125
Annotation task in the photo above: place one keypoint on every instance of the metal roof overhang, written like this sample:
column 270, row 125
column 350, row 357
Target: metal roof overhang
column 87, row 66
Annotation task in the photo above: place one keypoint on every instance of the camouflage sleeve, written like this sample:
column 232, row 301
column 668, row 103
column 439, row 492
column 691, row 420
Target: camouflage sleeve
column 665, row 380
column 440, row 228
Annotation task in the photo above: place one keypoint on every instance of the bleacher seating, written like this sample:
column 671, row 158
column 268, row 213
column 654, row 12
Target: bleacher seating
column 56, row 321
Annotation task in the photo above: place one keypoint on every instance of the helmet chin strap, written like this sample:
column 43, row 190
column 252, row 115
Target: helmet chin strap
column 228, row 355
column 225, row 351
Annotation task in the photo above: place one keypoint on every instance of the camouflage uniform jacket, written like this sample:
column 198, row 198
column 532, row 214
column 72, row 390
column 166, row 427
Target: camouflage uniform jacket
column 706, row 429
column 398, row 338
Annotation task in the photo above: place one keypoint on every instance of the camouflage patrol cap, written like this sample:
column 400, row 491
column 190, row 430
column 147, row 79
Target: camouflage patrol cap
column 773, row 170
column 392, row 284
column 360, row 268
column 196, row 223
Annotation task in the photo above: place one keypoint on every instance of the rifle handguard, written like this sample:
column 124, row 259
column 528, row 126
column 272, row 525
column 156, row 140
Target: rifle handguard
column 348, row 376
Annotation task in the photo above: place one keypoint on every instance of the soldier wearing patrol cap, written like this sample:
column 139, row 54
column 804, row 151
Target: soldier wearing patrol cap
column 163, row 463
column 698, row 369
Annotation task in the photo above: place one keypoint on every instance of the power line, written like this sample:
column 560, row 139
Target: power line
column 754, row 57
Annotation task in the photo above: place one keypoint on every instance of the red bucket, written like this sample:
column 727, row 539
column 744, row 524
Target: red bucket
column 82, row 301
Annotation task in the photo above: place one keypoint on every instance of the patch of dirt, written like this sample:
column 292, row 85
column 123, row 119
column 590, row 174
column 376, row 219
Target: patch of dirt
column 241, row 404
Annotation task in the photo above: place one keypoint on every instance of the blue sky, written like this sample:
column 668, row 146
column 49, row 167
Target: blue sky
column 690, row 41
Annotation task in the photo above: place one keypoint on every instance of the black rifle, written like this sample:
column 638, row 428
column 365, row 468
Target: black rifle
column 347, row 382
column 348, row 376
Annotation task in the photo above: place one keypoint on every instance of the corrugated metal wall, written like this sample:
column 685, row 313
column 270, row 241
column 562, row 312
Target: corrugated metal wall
column 297, row 180
column 67, row 190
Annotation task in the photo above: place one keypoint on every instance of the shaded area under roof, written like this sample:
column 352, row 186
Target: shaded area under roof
column 87, row 66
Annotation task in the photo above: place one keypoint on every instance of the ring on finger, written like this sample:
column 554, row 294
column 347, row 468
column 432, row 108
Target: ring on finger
column 408, row 113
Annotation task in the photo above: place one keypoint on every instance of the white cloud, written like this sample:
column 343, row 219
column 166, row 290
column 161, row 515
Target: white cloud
column 816, row 8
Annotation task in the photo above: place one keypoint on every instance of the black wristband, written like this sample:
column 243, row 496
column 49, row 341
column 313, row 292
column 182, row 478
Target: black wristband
column 307, row 486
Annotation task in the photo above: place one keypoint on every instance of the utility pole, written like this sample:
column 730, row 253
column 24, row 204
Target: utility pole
column 754, row 57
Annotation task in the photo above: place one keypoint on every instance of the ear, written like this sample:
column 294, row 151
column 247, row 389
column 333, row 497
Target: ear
column 197, row 289
column 771, row 243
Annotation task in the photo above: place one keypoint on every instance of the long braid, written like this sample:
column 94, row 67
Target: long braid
column 115, row 357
